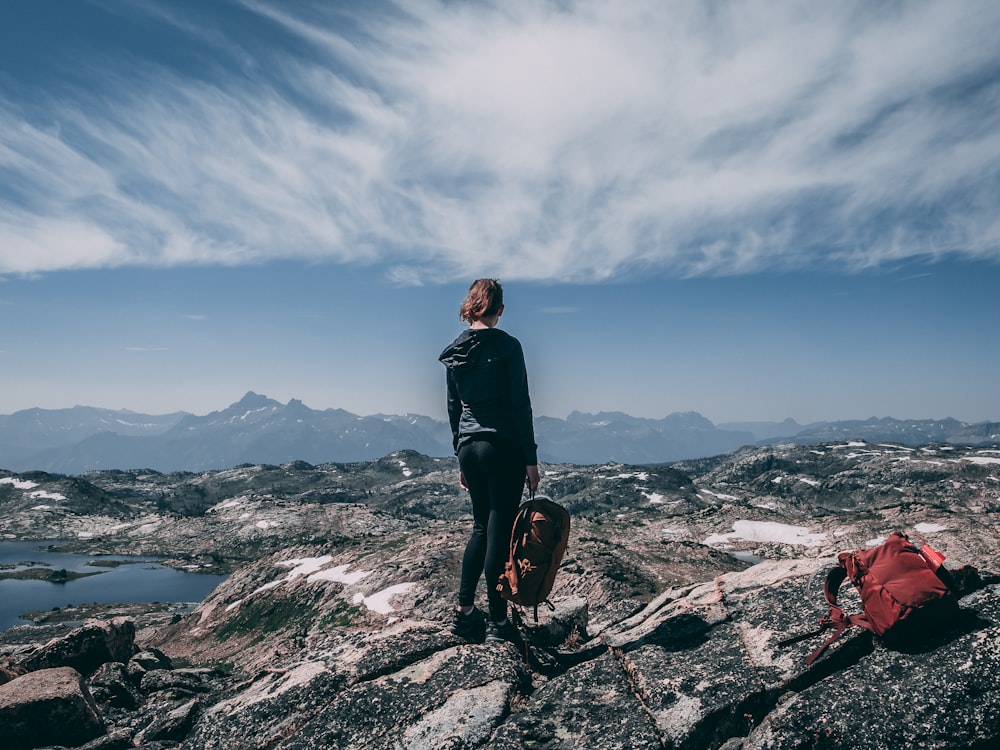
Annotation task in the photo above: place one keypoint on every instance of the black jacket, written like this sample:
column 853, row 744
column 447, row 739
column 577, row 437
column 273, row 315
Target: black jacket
column 488, row 390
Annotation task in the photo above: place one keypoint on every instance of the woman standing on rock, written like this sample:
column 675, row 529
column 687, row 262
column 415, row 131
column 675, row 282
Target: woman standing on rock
column 491, row 425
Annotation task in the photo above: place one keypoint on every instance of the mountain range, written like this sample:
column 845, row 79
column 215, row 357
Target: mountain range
column 260, row 430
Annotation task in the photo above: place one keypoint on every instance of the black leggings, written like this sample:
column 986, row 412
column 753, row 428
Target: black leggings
column 494, row 474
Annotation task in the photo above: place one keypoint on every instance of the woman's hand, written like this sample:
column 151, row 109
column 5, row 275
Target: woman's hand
column 461, row 481
column 531, row 478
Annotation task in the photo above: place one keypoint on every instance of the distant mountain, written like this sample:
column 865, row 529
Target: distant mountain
column 903, row 431
column 259, row 430
column 27, row 433
column 255, row 429
column 614, row 436
column 765, row 430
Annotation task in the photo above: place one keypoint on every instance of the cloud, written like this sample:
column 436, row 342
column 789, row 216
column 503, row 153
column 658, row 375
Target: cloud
column 579, row 142
column 147, row 349
column 560, row 310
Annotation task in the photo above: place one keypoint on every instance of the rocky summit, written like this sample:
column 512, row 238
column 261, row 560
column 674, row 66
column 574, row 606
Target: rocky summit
column 682, row 614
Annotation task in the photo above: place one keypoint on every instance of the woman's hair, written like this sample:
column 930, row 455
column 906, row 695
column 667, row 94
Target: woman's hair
column 485, row 298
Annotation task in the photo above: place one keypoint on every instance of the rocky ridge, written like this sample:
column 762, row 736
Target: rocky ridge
column 333, row 625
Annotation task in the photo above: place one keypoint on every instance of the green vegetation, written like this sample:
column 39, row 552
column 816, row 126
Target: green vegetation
column 269, row 614
column 339, row 614
column 45, row 574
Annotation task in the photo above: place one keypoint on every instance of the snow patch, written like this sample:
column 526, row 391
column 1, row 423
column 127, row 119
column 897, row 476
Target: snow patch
column 982, row 460
column 768, row 531
column 299, row 567
column 653, row 497
column 304, row 566
column 379, row 601
column 642, row 476
column 339, row 574
column 719, row 495
column 929, row 528
column 312, row 568
column 21, row 484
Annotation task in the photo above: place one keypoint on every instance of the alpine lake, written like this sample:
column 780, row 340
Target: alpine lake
column 41, row 585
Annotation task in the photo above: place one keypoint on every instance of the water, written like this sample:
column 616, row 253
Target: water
column 142, row 580
column 747, row 557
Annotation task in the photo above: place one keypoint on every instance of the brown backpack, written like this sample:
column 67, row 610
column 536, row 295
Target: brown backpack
column 537, row 544
column 902, row 590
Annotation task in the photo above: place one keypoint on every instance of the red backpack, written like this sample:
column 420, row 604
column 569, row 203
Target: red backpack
column 537, row 544
column 902, row 592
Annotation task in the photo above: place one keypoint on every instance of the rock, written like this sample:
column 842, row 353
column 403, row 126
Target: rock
column 666, row 635
column 173, row 726
column 178, row 683
column 591, row 706
column 135, row 672
column 707, row 664
column 111, row 685
column 152, row 658
column 48, row 707
column 87, row 647
column 554, row 626
column 9, row 670
column 947, row 696
column 454, row 697
column 117, row 739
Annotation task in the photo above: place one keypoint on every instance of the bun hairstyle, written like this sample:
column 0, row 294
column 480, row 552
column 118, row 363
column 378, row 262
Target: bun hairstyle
column 485, row 298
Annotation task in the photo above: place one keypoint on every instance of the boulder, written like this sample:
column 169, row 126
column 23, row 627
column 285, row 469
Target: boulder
column 172, row 726
column 151, row 658
column 9, row 670
column 111, row 685
column 116, row 739
column 707, row 666
column 48, row 707
column 87, row 647
column 454, row 696
column 567, row 617
column 180, row 683
column 592, row 705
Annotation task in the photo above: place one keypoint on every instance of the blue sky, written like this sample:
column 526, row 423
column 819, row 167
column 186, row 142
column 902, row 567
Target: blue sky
column 753, row 210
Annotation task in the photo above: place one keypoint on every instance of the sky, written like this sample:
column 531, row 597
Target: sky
column 754, row 210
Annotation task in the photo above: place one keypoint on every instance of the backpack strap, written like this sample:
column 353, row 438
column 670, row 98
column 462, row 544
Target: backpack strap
column 836, row 617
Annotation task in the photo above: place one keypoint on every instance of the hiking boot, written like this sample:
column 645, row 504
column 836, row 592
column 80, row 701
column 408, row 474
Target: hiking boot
column 470, row 626
column 497, row 632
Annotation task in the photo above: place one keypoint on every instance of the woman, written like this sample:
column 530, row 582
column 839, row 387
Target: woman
column 491, row 425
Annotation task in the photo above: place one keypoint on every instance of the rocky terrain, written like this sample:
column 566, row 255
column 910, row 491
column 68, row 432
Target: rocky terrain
column 678, row 592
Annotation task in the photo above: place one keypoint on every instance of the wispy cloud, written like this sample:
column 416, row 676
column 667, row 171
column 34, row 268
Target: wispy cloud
column 560, row 310
column 147, row 349
column 530, row 140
